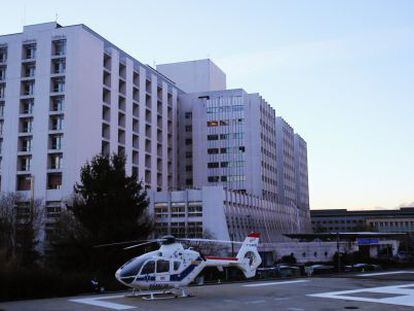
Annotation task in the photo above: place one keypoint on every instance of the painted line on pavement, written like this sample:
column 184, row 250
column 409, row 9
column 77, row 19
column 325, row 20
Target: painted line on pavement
column 403, row 295
column 98, row 302
column 274, row 283
column 385, row 273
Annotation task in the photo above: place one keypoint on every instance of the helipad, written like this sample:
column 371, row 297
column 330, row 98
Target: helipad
column 376, row 291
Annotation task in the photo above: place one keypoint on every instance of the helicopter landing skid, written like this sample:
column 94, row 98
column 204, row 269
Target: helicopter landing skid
column 160, row 295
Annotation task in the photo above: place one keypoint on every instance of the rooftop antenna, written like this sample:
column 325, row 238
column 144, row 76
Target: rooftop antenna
column 154, row 63
column 56, row 17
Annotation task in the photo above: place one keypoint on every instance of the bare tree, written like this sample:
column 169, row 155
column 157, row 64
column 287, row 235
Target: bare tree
column 20, row 225
column 8, row 203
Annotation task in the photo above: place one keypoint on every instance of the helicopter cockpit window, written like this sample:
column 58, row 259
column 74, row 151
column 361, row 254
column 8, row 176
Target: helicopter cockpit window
column 163, row 266
column 132, row 267
column 177, row 265
column 149, row 267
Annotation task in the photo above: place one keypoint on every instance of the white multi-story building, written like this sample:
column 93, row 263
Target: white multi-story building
column 221, row 212
column 301, row 173
column 232, row 139
column 67, row 94
column 227, row 138
column 285, row 159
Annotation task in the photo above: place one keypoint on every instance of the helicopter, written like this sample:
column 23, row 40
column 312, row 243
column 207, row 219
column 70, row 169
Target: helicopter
column 173, row 267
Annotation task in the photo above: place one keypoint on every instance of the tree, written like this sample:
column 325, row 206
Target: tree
column 107, row 206
column 8, row 202
column 20, row 223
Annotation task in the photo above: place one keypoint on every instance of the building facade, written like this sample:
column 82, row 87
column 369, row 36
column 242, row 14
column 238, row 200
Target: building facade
column 67, row 94
column 342, row 220
column 222, row 214
column 227, row 138
column 301, row 173
column 285, row 145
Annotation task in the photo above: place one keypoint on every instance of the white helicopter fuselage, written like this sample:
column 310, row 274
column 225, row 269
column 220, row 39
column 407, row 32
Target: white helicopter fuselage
column 172, row 266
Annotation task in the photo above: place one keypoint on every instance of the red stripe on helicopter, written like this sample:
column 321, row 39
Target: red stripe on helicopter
column 254, row 235
column 222, row 258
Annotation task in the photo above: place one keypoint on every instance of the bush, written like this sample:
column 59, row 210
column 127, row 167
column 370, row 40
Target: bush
column 36, row 282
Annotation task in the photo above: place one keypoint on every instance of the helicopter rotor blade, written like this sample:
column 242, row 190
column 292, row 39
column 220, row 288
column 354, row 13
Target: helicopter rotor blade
column 210, row 241
column 118, row 243
column 145, row 243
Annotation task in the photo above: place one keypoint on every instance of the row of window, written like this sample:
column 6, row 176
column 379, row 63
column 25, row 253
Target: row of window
column 231, row 178
column 225, row 136
column 225, row 164
column 226, row 122
column 239, row 149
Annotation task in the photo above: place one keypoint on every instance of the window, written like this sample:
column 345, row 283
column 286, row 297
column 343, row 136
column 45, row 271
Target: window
column 188, row 141
column 224, row 136
column 189, row 181
column 3, row 54
column 148, row 268
column 29, row 51
column 163, row 266
column 223, row 178
column 188, row 155
column 2, row 73
column 58, row 85
column 24, row 163
column 25, row 144
column 56, row 123
column 27, row 88
column 54, row 181
column 188, row 115
column 26, row 106
column 58, row 66
column 212, row 123
column 28, row 69
column 195, row 210
column 212, row 150
column 213, row 164
column 212, row 137
column 213, row 178
column 55, row 142
column 224, row 164
column 242, row 149
column 177, row 265
column 188, row 128
column 24, row 182
column 26, row 125
column 55, row 161
column 59, row 47
column 189, row 168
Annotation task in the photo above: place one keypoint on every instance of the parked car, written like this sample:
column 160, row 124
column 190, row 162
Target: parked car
column 287, row 270
column 319, row 269
column 363, row 267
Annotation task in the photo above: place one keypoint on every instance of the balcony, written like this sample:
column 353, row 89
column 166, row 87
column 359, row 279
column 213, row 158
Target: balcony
column 2, row 73
column 28, row 70
column 57, row 85
column 29, row 52
column 3, row 55
column 27, row 88
column 57, row 104
column 59, row 47
column 58, row 66
column 54, row 181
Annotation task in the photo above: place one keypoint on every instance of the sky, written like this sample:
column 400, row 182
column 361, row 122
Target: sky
column 340, row 72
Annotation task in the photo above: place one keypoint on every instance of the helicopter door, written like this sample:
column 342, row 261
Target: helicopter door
column 148, row 270
column 163, row 271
